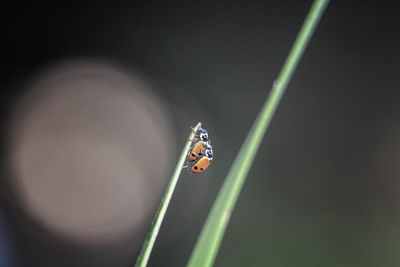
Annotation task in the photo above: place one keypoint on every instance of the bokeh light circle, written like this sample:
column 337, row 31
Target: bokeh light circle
column 89, row 149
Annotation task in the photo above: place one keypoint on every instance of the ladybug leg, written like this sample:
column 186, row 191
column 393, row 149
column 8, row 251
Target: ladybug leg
column 196, row 135
column 195, row 140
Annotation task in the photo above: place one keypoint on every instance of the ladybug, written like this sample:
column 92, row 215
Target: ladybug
column 201, row 165
column 198, row 150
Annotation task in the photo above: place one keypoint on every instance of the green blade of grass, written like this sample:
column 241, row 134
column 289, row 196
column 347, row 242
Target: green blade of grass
column 148, row 244
column 210, row 238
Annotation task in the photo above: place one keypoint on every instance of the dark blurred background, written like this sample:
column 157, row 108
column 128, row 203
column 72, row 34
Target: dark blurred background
column 97, row 100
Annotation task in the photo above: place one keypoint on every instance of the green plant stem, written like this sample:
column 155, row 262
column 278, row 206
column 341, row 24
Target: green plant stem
column 211, row 236
column 148, row 244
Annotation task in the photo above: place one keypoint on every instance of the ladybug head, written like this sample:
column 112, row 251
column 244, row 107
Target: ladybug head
column 204, row 135
column 209, row 152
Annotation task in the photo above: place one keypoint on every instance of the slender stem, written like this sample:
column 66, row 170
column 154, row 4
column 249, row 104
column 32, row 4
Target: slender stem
column 148, row 244
column 211, row 236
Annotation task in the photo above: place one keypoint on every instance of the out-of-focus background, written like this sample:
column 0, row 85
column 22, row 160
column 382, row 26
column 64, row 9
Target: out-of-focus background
column 97, row 100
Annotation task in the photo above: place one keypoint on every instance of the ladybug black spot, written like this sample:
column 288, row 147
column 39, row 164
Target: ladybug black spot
column 201, row 169
column 195, row 167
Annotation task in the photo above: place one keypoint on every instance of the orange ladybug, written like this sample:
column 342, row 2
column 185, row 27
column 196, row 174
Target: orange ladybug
column 201, row 165
column 198, row 150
